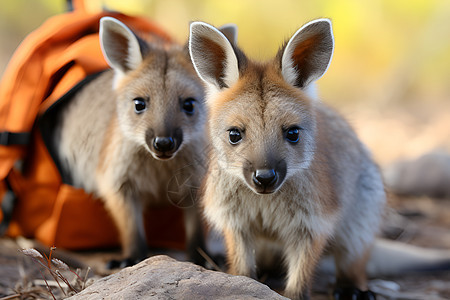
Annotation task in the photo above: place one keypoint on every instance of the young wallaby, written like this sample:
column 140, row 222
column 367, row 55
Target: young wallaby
column 283, row 166
column 125, row 135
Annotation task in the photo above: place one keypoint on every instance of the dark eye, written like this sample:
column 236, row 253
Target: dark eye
column 139, row 105
column 293, row 134
column 234, row 136
column 189, row 106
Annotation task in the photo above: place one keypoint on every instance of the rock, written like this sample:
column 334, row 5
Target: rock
column 428, row 175
column 161, row 277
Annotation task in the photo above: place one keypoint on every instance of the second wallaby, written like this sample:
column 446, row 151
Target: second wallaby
column 127, row 132
column 284, row 168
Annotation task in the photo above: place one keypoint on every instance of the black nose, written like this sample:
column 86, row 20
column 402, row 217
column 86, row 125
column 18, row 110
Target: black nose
column 163, row 144
column 265, row 178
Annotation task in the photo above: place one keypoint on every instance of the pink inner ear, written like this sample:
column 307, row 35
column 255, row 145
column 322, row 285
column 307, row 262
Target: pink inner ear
column 310, row 57
column 117, row 49
column 215, row 58
column 304, row 50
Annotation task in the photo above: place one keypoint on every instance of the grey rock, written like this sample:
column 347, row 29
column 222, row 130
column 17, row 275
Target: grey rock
column 161, row 277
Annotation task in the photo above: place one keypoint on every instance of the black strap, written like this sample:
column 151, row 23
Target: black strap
column 14, row 138
column 7, row 207
column 49, row 119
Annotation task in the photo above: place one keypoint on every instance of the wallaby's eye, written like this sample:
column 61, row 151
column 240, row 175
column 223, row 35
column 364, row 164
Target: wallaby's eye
column 189, row 106
column 293, row 134
column 139, row 105
column 234, row 136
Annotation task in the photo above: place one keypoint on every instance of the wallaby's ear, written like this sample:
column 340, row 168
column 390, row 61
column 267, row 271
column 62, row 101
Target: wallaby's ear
column 308, row 53
column 213, row 56
column 230, row 31
column 120, row 45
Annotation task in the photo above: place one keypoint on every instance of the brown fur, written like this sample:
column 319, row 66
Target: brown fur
column 108, row 148
column 326, row 191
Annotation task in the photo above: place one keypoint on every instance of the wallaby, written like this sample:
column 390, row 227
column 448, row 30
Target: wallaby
column 283, row 166
column 125, row 134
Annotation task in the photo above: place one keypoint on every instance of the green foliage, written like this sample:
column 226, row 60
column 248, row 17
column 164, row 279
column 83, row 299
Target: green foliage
column 393, row 50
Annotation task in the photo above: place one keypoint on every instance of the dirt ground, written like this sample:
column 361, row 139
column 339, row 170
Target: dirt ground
column 423, row 222
column 418, row 221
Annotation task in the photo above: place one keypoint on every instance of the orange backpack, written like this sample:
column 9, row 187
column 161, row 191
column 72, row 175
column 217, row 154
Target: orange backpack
column 50, row 63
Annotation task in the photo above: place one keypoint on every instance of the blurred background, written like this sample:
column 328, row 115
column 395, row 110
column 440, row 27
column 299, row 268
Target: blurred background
column 390, row 77
column 390, row 74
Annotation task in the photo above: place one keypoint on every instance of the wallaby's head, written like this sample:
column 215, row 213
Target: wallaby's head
column 262, row 119
column 159, row 95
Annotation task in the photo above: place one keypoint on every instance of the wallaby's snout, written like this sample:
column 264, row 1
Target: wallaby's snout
column 164, row 146
column 266, row 180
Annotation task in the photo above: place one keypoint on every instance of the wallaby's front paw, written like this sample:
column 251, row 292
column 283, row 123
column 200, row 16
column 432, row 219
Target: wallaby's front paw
column 121, row 263
column 348, row 293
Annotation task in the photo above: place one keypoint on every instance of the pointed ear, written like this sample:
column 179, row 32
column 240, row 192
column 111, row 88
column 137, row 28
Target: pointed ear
column 120, row 46
column 230, row 31
column 308, row 53
column 213, row 56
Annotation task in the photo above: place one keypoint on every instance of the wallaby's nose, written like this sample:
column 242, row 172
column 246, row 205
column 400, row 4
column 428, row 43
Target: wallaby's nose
column 163, row 144
column 265, row 178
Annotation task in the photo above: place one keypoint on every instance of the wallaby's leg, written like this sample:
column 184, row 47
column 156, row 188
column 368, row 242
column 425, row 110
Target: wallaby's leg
column 351, row 271
column 194, row 234
column 127, row 215
column 354, row 238
column 240, row 253
column 351, row 279
column 301, row 258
